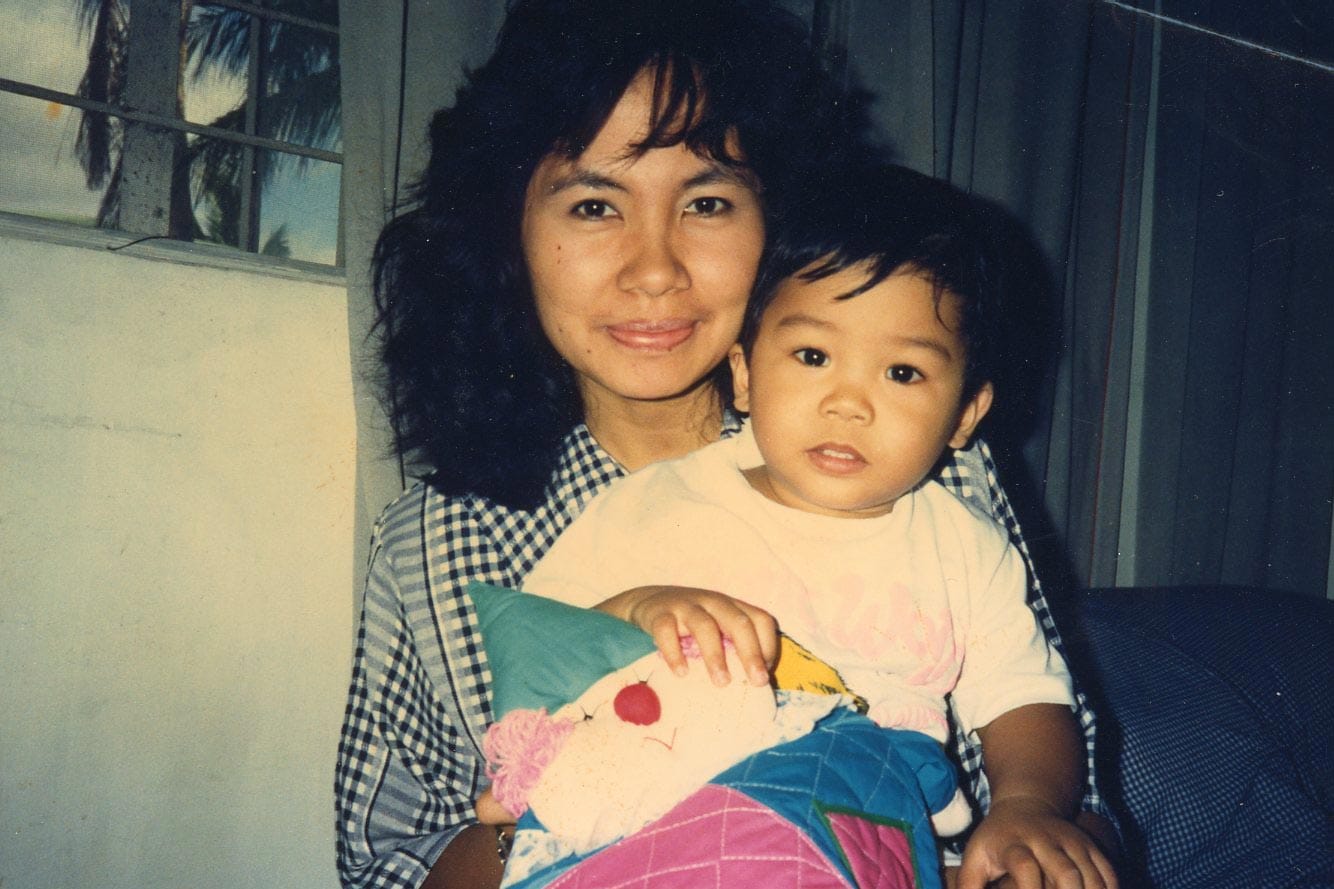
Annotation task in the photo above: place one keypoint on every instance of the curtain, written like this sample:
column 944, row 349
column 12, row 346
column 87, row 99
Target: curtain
column 1172, row 165
column 401, row 60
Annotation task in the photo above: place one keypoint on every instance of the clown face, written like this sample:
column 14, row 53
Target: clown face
column 645, row 738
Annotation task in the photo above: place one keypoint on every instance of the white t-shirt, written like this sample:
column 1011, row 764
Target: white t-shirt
column 924, row 602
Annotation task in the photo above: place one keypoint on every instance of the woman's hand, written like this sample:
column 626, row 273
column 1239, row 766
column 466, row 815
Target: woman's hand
column 472, row 859
column 668, row 613
column 490, row 811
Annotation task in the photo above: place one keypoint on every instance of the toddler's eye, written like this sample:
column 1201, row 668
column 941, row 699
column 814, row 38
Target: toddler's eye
column 592, row 209
column 903, row 373
column 709, row 206
column 811, row 357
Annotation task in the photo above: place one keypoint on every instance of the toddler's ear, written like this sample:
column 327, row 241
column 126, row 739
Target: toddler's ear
column 740, row 378
column 972, row 413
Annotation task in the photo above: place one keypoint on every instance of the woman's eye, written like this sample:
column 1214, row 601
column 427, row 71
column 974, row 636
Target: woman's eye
column 903, row 373
column 592, row 209
column 709, row 206
column 811, row 357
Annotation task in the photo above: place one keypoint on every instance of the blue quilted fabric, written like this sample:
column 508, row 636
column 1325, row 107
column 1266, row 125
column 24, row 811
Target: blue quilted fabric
column 847, row 763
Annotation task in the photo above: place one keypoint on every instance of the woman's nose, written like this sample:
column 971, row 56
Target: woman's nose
column 847, row 402
column 654, row 266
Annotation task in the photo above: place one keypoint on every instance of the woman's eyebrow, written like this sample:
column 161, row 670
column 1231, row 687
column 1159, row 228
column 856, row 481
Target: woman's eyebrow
column 717, row 173
column 577, row 178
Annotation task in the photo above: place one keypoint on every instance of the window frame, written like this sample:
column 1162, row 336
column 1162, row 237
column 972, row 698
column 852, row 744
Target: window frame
column 149, row 114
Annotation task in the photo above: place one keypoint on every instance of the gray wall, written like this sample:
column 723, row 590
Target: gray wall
column 176, row 489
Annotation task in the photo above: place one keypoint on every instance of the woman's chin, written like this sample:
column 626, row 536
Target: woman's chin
column 660, row 382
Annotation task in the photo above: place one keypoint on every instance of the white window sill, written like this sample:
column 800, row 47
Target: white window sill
column 164, row 250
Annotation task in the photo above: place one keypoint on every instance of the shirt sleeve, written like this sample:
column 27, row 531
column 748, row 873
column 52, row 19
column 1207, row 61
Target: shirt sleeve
column 406, row 775
column 1008, row 662
column 972, row 476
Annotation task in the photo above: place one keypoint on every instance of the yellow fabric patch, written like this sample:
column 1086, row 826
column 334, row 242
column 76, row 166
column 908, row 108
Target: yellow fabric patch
column 799, row 670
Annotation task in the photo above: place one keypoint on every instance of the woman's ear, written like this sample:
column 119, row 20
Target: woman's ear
column 972, row 414
column 736, row 356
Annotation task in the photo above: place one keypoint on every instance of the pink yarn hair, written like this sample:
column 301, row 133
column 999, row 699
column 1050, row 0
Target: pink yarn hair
column 690, row 647
column 518, row 750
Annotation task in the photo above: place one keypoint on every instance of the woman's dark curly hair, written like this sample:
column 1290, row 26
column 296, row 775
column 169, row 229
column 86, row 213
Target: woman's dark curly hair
column 478, row 396
column 888, row 219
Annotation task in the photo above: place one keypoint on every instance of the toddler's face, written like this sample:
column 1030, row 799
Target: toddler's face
column 854, row 400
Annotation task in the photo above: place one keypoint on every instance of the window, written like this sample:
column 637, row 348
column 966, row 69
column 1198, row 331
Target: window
column 202, row 120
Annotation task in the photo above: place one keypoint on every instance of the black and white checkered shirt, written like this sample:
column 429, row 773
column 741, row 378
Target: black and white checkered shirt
column 409, row 762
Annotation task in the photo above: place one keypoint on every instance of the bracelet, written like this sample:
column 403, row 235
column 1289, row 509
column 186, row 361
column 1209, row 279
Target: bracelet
column 504, row 843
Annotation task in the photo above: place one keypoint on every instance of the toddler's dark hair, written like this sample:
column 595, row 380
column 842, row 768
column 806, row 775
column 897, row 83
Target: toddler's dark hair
column 889, row 220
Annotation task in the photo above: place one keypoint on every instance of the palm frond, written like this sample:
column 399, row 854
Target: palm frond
column 277, row 243
column 217, row 38
column 98, row 142
column 306, row 110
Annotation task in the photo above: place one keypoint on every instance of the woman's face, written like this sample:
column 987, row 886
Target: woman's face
column 640, row 264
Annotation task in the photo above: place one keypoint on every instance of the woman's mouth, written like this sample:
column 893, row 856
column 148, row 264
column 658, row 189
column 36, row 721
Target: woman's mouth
column 652, row 336
column 836, row 459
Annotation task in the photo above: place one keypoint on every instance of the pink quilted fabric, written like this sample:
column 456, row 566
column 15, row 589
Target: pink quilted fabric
column 716, row 839
column 879, row 854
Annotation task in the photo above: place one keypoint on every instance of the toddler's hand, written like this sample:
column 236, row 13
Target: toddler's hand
column 1036, row 848
column 668, row 613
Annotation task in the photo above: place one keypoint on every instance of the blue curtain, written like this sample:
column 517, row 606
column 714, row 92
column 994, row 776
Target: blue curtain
column 1171, row 163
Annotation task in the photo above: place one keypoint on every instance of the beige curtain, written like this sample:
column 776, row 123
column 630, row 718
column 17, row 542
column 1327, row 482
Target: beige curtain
column 401, row 59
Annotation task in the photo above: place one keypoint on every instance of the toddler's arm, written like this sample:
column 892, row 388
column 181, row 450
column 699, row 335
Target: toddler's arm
column 667, row 613
column 1033, row 762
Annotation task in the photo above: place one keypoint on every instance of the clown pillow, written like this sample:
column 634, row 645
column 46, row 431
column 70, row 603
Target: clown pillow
column 623, row 773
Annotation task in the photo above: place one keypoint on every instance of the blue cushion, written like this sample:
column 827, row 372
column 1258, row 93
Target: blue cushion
column 1216, row 731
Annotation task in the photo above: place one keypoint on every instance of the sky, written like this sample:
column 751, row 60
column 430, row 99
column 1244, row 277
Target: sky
column 40, row 174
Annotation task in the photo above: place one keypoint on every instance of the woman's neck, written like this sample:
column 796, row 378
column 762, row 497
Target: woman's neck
column 637, row 433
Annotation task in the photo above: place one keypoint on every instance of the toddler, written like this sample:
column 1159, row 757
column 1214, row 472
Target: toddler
column 868, row 351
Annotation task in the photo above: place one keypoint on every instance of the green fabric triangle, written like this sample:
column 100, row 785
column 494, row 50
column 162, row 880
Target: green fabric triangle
column 544, row 653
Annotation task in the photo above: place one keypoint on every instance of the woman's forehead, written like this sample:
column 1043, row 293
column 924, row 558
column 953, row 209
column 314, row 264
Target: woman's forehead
column 657, row 110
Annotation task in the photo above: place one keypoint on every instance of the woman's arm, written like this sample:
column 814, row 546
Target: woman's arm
column 407, row 767
column 470, row 861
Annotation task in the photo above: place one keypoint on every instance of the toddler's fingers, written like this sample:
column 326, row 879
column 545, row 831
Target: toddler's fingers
column 668, row 641
column 752, row 633
column 708, row 636
column 766, row 630
column 1105, row 869
column 1022, row 866
column 1094, row 869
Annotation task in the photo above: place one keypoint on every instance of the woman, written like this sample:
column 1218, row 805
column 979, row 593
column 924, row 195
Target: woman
column 555, row 310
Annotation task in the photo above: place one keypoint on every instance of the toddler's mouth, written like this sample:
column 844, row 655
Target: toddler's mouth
column 835, row 458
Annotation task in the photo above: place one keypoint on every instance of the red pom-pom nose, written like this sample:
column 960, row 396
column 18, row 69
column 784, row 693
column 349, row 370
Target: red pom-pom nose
column 638, row 704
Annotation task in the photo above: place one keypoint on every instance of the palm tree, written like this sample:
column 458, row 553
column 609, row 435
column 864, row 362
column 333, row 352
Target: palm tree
column 298, row 101
column 98, row 145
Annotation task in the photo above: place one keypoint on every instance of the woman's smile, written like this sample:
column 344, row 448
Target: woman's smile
column 640, row 261
column 652, row 336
